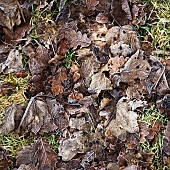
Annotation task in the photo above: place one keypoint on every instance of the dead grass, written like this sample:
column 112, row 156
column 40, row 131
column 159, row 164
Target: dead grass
column 18, row 97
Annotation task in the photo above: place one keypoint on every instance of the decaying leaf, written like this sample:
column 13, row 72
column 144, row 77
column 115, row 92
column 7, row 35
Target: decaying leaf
column 126, row 121
column 147, row 72
column 91, row 4
column 7, row 88
column 99, row 82
column 9, row 14
column 166, row 140
column 46, row 157
column 78, row 39
column 58, row 117
column 13, row 63
column 5, row 161
column 102, row 18
column 114, row 64
column 39, row 156
column 26, row 156
column 26, row 167
column 70, row 147
column 12, row 115
column 33, row 117
column 39, row 62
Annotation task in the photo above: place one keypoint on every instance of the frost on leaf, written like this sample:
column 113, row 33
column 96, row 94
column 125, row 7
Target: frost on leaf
column 126, row 121
column 99, row 82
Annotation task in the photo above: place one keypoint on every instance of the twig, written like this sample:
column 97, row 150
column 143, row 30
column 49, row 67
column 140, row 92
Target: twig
column 155, row 86
column 27, row 109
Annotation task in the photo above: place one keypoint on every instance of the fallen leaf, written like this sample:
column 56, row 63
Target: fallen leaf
column 58, row 117
column 58, row 81
column 26, row 167
column 132, row 167
column 39, row 62
column 143, row 130
column 46, row 157
column 99, row 82
column 5, row 161
column 15, row 37
column 147, row 72
column 12, row 115
column 7, row 88
column 126, row 121
column 34, row 115
column 120, row 11
column 26, row 156
column 78, row 39
column 9, row 14
column 13, row 63
column 126, row 8
column 70, row 147
column 114, row 65
column 91, row 4
column 102, row 18
column 166, row 140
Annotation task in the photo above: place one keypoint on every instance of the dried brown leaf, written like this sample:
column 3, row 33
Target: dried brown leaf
column 12, row 115
column 70, row 147
column 102, row 18
column 91, row 4
column 46, row 157
column 13, row 63
column 76, row 39
column 26, row 156
column 39, row 62
column 166, row 140
column 9, row 14
column 126, row 121
column 99, row 82
column 26, row 167
column 34, row 115
column 58, row 80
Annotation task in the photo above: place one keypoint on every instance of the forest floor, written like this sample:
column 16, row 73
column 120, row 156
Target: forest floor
column 84, row 85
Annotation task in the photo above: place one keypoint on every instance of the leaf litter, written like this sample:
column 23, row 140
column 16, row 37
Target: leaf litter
column 96, row 103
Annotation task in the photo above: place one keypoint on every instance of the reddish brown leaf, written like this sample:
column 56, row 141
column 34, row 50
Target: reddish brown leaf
column 91, row 4
column 58, row 80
